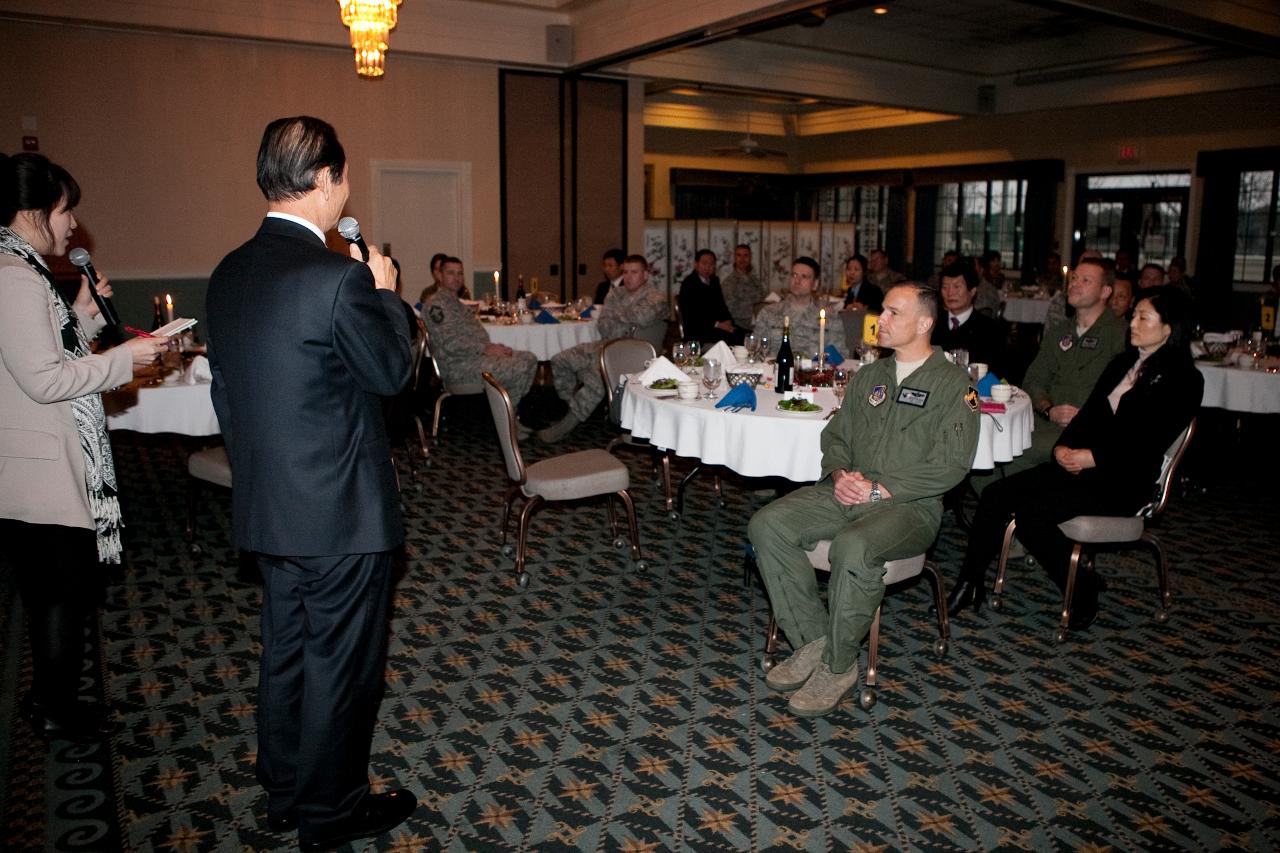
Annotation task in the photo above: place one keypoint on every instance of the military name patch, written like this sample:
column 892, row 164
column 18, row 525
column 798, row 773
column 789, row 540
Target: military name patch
column 878, row 394
column 1066, row 342
column 913, row 397
column 971, row 398
column 1089, row 343
column 436, row 313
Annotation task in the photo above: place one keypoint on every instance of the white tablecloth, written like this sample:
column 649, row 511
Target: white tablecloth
column 1240, row 389
column 770, row 443
column 1022, row 310
column 543, row 339
column 172, row 407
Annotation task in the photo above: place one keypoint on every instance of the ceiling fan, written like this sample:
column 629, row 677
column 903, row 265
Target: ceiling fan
column 748, row 147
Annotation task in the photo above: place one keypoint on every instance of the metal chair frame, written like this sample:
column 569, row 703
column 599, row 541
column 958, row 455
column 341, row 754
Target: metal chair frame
column 445, row 390
column 1080, row 554
column 610, row 374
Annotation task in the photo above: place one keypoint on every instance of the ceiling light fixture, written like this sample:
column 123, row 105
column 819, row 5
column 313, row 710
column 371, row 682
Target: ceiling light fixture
column 370, row 22
column 881, row 10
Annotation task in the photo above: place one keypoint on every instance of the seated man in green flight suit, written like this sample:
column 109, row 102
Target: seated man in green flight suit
column 905, row 435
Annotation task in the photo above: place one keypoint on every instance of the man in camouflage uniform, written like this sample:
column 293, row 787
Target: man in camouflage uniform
column 576, row 370
column 802, row 309
column 905, row 435
column 742, row 288
column 462, row 347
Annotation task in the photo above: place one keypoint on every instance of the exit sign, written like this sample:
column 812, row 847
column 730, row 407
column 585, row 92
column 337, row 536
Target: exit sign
column 1128, row 153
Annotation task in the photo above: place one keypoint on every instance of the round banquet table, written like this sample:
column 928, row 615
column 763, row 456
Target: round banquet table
column 1240, row 389
column 170, row 407
column 772, row 443
column 1018, row 309
column 543, row 339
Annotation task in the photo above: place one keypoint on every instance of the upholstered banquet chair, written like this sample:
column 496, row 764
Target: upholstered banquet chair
column 628, row 355
column 895, row 572
column 567, row 477
column 447, row 389
column 406, row 402
column 1111, row 531
column 209, row 466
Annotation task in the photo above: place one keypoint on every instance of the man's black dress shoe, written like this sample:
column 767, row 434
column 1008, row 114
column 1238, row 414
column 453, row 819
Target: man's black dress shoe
column 80, row 723
column 966, row 594
column 375, row 814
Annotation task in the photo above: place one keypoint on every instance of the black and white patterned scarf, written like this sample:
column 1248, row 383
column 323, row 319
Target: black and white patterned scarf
column 91, row 420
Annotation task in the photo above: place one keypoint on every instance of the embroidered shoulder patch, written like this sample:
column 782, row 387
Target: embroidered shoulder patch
column 436, row 313
column 1065, row 343
column 971, row 398
column 878, row 394
column 913, row 397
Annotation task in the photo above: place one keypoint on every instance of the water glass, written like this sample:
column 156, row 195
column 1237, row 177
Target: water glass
column 839, row 382
column 762, row 351
column 679, row 353
column 695, row 350
column 712, row 373
column 752, row 343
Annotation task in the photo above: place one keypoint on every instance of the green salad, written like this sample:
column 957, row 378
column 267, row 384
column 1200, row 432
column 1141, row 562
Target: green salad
column 664, row 385
column 799, row 406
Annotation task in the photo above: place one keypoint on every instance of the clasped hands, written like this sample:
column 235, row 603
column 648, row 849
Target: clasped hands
column 852, row 488
column 1073, row 461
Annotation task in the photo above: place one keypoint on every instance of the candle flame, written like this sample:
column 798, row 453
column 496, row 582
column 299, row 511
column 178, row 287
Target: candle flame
column 495, row 276
column 822, row 313
column 168, row 301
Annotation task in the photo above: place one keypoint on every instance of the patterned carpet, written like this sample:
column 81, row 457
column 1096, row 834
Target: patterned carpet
column 607, row 709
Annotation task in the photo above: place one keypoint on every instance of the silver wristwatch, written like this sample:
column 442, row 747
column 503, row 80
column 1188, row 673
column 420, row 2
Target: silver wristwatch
column 875, row 492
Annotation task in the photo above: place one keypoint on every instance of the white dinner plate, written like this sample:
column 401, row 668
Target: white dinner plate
column 816, row 411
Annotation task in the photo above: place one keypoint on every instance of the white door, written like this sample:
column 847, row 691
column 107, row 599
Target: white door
column 420, row 208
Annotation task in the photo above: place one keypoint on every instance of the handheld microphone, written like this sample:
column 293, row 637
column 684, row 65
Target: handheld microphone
column 81, row 259
column 349, row 228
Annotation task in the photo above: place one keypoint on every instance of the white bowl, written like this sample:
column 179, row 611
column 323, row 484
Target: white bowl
column 687, row 390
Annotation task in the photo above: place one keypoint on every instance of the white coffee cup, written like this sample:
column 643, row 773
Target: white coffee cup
column 1002, row 393
column 526, row 318
column 687, row 390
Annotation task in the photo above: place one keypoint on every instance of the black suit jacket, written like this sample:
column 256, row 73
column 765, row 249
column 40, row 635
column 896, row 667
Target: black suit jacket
column 868, row 294
column 1129, row 443
column 302, row 348
column 701, row 307
column 984, row 337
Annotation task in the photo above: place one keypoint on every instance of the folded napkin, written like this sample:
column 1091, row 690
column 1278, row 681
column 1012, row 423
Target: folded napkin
column 545, row 316
column 773, row 297
column 834, row 358
column 739, row 395
column 986, row 383
column 661, row 368
column 720, row 352
column 586, row 315
column 1221, row 337
column 534, row 304
column 197, row 371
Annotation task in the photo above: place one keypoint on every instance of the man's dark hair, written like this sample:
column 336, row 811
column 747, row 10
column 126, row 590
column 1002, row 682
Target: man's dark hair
column 960, row 269
column 926, row 296
column 292, row 153
column 451, row 260
column 989, row 256
column 1175, row 311
column 636, row 259
column 1107, row 266
column 702, row 252
column 617, row 254
column 1151, row 266
column 856, row 256
column 811, row 264
column 31, row 182
column 437, row 258
column 742, row 246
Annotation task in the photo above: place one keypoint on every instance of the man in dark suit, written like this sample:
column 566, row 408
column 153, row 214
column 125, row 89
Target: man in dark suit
column 611, row 266
column 959, row 326
column 303, row 344
column 703, row 310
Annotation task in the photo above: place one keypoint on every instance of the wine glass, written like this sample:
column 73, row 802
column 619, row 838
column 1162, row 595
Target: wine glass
column 839, row 382
column 695, row 350
column 752, row 343
column 679, row 353
column 762, row 352
column 711, row 376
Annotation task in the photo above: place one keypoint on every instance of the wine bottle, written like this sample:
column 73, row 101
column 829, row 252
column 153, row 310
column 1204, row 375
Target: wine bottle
column 520, row 287
column 157, row 318
column 785, row 360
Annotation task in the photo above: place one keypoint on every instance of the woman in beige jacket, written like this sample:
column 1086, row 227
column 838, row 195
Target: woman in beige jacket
column 59, row 511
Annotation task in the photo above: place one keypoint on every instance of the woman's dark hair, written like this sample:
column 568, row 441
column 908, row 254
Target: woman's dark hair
column 31, row 182
column 860, row 259
column 292, row 153
column 1175, row 311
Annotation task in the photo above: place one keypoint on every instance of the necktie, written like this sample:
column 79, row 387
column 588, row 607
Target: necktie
column 955, row 324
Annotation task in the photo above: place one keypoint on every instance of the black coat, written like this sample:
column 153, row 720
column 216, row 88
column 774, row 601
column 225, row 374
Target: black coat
column 701, row 307
column 1128, row 444
column 984, row 337
column 302, row 348
column 868, row 294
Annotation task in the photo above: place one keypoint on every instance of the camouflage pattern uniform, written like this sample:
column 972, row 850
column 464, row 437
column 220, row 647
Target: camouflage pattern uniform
column 576, row 371
column 741, row 293
column 804, row 327
column 458, row 341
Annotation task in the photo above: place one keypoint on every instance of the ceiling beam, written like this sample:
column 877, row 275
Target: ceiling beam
column 1250, row 27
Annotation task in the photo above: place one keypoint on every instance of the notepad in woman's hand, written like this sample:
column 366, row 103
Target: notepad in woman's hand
column 176, row 327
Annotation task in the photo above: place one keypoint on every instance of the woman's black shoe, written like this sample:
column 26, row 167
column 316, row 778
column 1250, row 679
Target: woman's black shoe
column 966, row 594
column 81, row 723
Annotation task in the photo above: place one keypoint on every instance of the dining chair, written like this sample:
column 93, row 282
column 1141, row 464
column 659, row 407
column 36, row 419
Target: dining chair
column 567, row 477
column 895, row 572
column 628, row 355
column 209, row 466
column 675, row 308
column 464, row 389
column 407, row 401
column 1112, row 531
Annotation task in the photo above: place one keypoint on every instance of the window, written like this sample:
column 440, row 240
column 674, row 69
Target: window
column 1256, row 214
column 981, row 216
column 866, row 206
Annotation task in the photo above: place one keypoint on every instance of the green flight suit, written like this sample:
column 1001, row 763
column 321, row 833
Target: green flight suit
column 918, row 441
column 1065, row 370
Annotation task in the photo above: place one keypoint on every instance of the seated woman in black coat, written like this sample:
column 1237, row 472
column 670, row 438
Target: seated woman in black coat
column 1105, row 463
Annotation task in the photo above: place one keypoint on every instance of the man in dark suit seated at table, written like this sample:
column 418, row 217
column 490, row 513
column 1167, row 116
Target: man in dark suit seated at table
column 611, row 266
column 703, row 310
column 961, row 327
column 304, row 343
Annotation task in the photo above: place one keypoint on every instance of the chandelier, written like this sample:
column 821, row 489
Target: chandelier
column 370, row 21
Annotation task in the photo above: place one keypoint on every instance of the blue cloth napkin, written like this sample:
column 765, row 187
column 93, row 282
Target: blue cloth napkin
column 534, row 304
column 834, row 358
column 739, row 395
column 545, row 316
column 985, row 384
column 586, row 315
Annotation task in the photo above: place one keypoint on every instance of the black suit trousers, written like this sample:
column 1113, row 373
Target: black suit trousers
column 324, row 635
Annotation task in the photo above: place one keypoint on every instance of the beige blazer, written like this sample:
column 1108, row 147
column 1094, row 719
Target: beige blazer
column 41, row 464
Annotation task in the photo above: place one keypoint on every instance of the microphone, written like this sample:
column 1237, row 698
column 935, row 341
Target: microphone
column 349, row 228
column 81, row 259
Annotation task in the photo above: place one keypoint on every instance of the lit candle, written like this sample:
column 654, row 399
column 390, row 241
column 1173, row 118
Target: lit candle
column 168, row 306
column 1066, row 275
column 822, row 336
column 496, row 290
